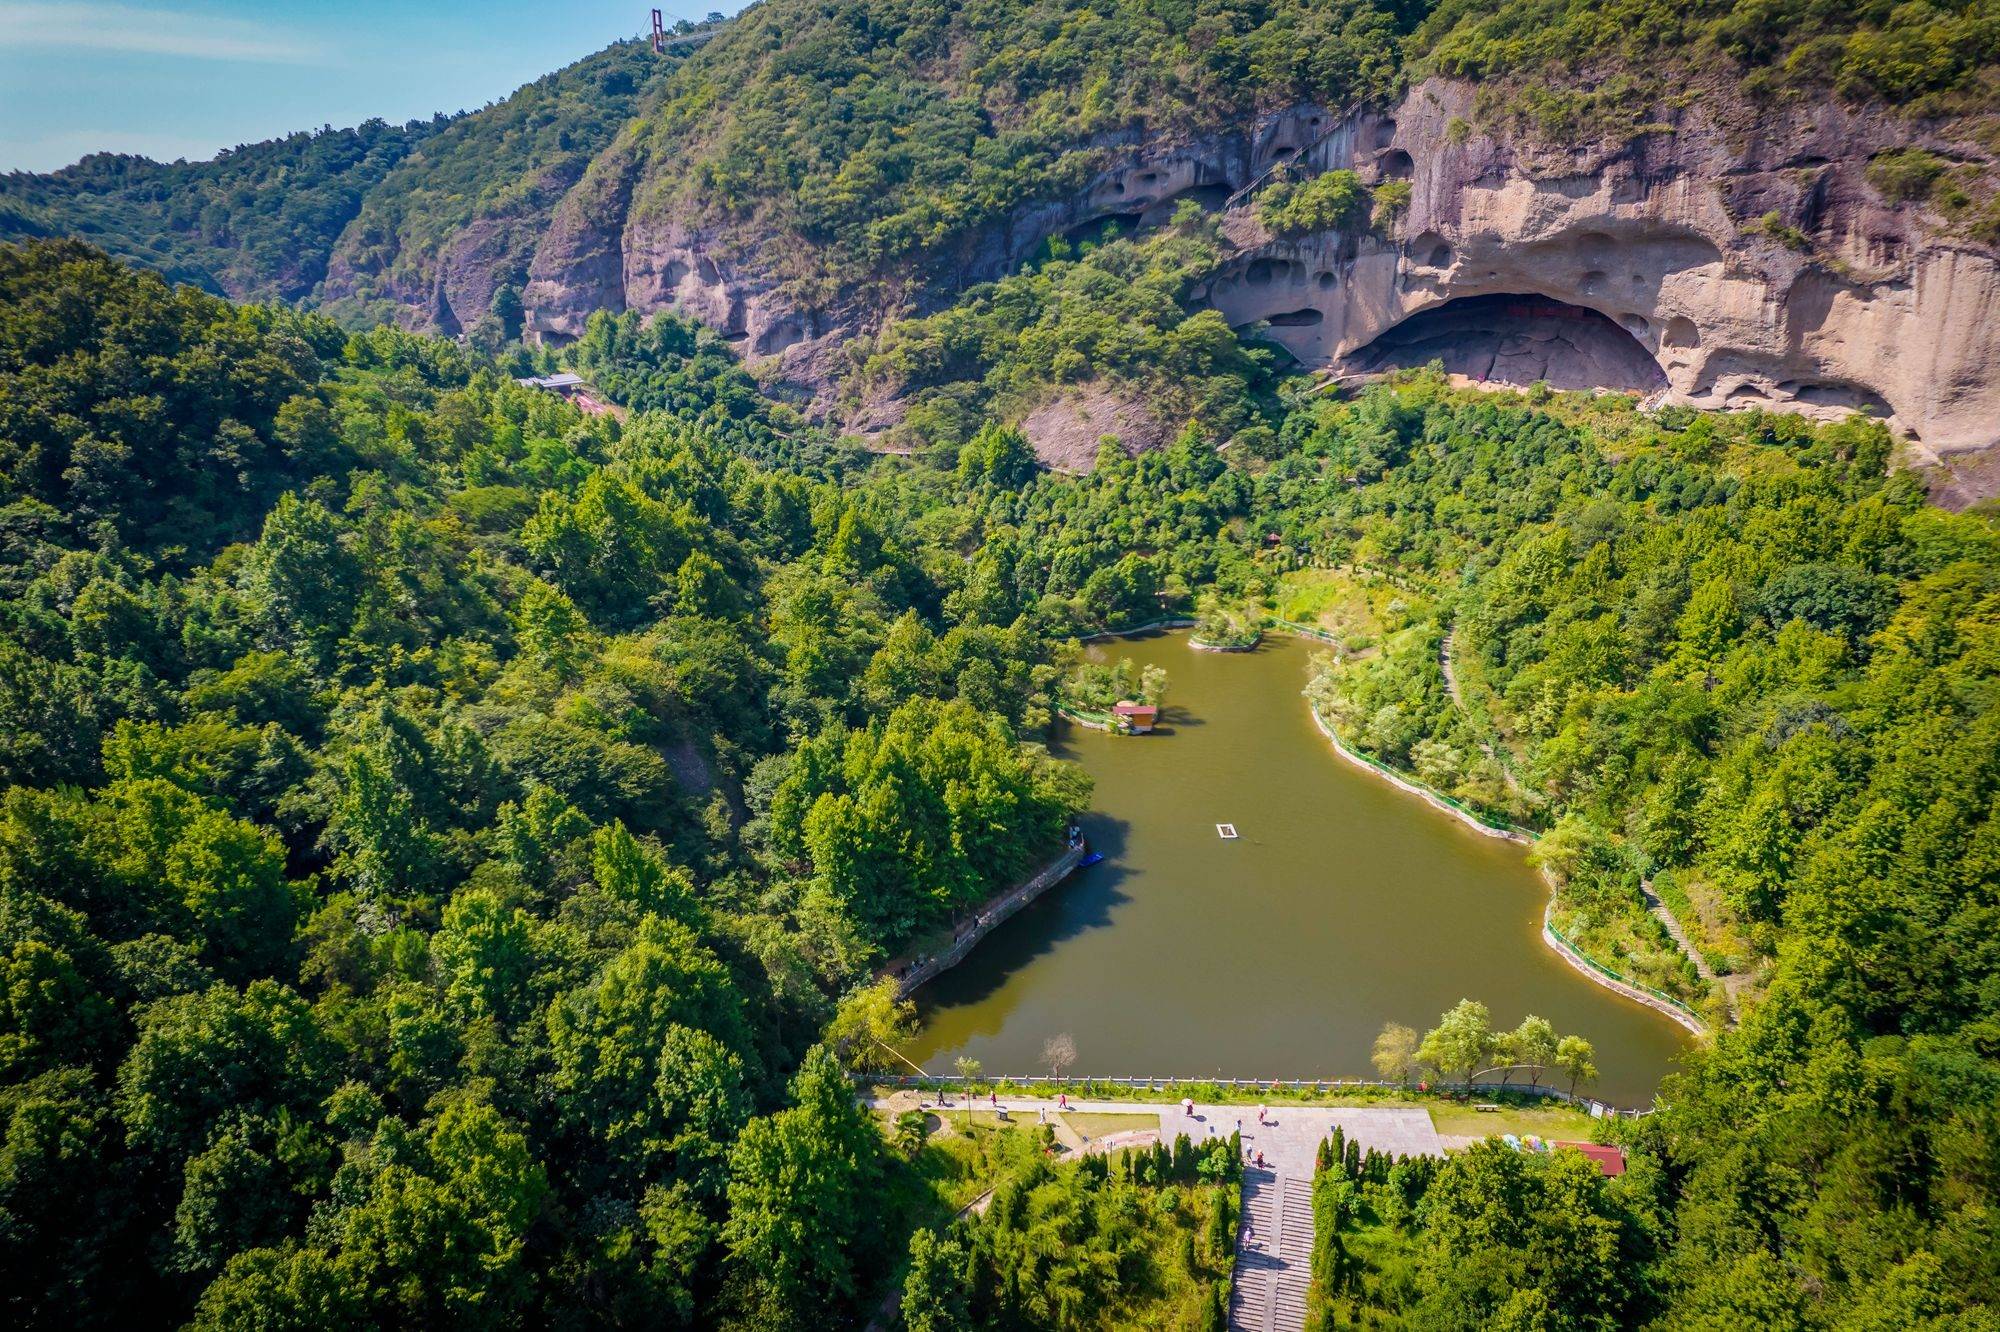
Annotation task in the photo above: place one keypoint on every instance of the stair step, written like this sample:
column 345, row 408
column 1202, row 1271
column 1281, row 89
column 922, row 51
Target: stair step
column 1274, row 1259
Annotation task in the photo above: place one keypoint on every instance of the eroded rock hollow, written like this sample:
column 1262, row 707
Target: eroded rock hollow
column 1759, row 271
column 1690, row 264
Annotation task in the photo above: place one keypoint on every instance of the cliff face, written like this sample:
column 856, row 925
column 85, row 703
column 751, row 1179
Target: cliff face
column 447, row 289
column 1695, row 265
column 1845, row 302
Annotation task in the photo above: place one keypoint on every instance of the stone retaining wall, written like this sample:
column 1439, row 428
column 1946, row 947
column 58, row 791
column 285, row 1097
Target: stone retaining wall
column 990, row 915
column 1583, row 964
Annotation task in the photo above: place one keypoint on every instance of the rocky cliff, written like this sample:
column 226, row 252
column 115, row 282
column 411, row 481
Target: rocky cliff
column 1757, row 269
column 1719, row 267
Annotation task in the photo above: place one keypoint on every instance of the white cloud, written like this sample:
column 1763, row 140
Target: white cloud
column 28, row 25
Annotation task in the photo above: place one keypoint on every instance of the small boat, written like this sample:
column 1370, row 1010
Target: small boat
column 1090, row 860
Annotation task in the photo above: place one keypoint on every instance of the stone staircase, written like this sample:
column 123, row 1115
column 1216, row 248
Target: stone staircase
column 1273, row 1254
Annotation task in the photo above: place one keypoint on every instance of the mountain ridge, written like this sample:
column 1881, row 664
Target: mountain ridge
column 817, row 173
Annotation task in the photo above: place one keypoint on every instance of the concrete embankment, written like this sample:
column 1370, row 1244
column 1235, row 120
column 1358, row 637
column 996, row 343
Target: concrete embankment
column 928, row 965
column 1422, row 793
column 1577, row 961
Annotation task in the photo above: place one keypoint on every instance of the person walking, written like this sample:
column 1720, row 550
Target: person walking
column 1062, row 1102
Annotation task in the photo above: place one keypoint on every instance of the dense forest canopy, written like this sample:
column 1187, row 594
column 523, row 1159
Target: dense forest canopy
column 448, row 820
column 445, row 819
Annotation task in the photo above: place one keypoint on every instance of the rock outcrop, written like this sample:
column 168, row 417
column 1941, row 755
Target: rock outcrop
column 1695, row 264
column 1756, row 271
column 1067, row 429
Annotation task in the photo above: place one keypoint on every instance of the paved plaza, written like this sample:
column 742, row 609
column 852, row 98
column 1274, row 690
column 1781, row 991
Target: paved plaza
column 1289, row 1138
column 1274, row 1243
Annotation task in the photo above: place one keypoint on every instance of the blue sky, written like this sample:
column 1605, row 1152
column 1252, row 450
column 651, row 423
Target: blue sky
column 189, row 79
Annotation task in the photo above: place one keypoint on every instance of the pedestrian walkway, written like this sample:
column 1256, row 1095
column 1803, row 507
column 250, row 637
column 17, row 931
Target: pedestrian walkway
column 1275, row 1239
column 1662, row 913
column 1273, row 1253
column 1274, row 1250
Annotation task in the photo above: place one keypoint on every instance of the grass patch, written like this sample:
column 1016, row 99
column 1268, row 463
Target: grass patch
column 1348, row 607
column 1906, row 175
column 1543, row 1121
column 1330, row 1094
column 1090, row 1127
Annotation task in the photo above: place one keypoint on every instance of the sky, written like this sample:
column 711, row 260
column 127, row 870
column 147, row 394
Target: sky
column 190, row 79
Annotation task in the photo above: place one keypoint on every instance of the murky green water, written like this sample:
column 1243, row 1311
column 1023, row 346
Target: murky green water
column 1343, row 904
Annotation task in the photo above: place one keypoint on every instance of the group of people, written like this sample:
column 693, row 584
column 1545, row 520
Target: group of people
column 1251, row 1156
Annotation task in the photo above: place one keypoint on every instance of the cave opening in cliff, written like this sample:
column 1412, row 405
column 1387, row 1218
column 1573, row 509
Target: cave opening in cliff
column 1517, row 338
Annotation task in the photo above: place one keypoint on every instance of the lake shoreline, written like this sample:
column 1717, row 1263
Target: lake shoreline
column 1340, row 906
column 1577, row 961
column 985, row 917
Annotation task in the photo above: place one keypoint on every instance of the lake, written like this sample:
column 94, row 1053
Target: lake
column 1342, row 904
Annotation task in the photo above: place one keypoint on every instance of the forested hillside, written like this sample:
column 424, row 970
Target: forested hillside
column 256, row 223
column 881, row 139
column 951, row 118
column 378, row 204
column 437, row 825
column 456, row 224
column 440, row 825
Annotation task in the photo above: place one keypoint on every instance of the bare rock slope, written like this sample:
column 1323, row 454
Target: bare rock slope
column 1694, row 263
column 1659, row 251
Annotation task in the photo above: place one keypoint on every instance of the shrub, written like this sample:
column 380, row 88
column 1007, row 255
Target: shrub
column 1334, row 201
column 1392, row 200
column 1906, row 175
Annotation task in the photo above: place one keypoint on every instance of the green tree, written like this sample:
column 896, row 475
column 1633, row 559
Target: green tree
column 871, row 1021
column 507, row 308
column 236, row 1196
column 1396, row 1052
column 309, row 582
column 231, row 877
column 968, row 1070
column 935, row 1286
column 605, row 1039
column 1461, row 1042
column 553, row 633
column 803, row 1227
column 1577, row 1058
column 703, row 1104
column 1533, row 1043
column 484, row 953
column 1522, row 1240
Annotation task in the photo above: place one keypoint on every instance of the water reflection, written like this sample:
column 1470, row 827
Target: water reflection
column 1342, row 904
